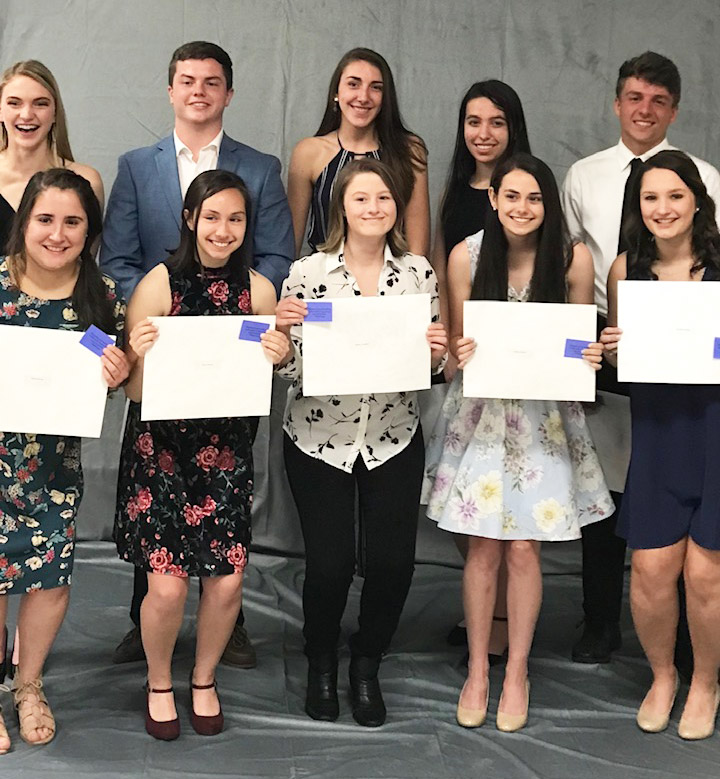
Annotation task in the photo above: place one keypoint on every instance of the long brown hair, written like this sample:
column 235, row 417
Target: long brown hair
column 58, row 142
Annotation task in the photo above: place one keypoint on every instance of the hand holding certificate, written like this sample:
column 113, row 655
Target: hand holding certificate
column 207, row 366
column 362, row 345
column 57, row 386
column 529, row 351
column 669, row 332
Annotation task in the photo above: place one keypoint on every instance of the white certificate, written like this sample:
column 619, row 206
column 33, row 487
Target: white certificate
column 199, row 368
column 529, row 351
column 671, row 332
column 372, row 344
column 53, row 385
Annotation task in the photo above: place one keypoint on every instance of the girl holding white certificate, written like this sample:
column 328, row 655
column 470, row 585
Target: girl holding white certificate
column 185, row 486
column 361, row 120
column 670, row 512
column 49, row 279
column 509, row 474
column 372, row 444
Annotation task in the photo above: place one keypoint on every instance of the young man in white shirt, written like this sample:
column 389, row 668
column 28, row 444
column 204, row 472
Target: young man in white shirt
column 646, row 104
column 142, row 222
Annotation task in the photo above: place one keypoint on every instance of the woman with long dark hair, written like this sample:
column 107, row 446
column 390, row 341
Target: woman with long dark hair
column 371, row 445
column 361, row 119
column 185, row 486
column 509, row 474
column 670, row 513
column 48, row 279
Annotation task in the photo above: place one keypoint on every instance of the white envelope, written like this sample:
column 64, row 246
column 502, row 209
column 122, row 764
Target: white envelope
column 373, row 344
column 199, row 368
column 669, row 331
column 520, row 351
column 53, row 385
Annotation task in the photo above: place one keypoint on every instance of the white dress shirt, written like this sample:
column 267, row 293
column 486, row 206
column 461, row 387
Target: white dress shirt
column 188, row 169
column 336, row 429
column 592, row 196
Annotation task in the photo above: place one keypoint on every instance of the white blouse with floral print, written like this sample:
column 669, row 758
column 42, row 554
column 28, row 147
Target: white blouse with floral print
column 333, row 428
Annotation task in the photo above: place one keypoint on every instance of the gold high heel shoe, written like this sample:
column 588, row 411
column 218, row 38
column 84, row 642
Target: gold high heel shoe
column 652, row 722
column 472, row 718
column 509, row 723
column 696, row 729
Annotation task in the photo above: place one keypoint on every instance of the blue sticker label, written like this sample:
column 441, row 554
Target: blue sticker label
column 318, row 311
column 251, row 331
column 574, row 348
column 95, row 340
column 716, row 349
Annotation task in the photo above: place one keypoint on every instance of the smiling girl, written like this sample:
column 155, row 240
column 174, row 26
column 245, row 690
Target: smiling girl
column 509, row 474
column 34, row 136
column 362, row 119
column 185, row 486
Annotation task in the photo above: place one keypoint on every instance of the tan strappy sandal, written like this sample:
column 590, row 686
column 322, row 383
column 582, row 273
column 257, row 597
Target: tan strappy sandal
column 3, row 729
column 36, row 714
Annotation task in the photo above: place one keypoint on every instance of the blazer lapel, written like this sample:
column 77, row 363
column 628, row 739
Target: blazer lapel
column 166, row 164
column 227, row 157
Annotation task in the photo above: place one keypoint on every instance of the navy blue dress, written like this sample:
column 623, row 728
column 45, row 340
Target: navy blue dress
column 673, row 483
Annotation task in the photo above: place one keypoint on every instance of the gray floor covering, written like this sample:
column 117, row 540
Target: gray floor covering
column 581, row 721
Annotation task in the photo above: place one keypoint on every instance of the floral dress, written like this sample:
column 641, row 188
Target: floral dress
column 185, row 486
column 41, row 481
column 512, row 469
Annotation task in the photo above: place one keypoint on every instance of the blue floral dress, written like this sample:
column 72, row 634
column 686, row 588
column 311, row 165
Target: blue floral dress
column 185, row 486
column 512, row 469
column 41, row 480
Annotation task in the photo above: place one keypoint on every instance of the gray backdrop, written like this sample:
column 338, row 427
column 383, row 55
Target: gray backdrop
column 562, row 56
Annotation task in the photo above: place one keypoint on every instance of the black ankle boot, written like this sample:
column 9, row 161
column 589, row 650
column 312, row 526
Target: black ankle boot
column 368, row 707
column 321, row 700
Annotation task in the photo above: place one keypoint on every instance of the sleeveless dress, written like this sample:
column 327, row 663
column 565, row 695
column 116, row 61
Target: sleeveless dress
column 7, row 215
column 322, row 191
column 466, row 217
column 185, row 486
column 41, row 480
column 673, row 482
column 512, row 469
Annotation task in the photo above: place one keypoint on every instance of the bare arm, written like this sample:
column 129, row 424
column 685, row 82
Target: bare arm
column 610, row 336
column 417, row 213
column 581, row 276
column 459, row 286
column 93, row 177
column 152, row 297
column 300, row 186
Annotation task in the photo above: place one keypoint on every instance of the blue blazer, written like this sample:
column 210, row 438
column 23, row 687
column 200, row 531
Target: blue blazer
column 142, row 221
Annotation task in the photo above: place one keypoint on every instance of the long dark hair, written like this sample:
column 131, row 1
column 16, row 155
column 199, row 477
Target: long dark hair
column 705, row 236
column 462, row 166
column 185, row 259
column 90, row 296
column 554, row 246
column 337, row 224
column 403, row 151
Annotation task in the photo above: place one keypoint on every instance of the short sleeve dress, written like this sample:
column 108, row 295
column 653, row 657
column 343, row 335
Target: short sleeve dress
column 185, row 486
column 41, row 480
column 512, row 469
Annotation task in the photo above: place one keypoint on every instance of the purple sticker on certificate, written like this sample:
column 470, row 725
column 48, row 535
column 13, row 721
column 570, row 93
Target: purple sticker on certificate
column 574, row 348
column 716, row 349
column 251, row 331
column 319, row 311
column 95, row 340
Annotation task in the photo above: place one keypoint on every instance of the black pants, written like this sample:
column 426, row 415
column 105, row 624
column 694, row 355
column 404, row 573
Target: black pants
column 140, row 588
column 389, row 500
column 603, row 558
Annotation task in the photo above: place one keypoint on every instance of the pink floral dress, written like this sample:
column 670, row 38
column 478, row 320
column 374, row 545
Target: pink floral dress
column 185, row 486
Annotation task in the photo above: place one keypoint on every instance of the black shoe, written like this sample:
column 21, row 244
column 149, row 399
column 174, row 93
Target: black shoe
column 457, row 635
column 321, row 698
column 3, row 658
column 597, row 643
column 368, row 706
column 239, row 652
column 130, row 649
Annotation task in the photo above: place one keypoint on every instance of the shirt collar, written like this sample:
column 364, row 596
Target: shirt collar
column 625, row 156
column 336, row 259
column 181, row 148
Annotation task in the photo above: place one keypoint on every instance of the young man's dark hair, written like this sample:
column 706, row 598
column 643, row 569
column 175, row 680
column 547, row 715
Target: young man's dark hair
column 653, row 68
column 202, row 50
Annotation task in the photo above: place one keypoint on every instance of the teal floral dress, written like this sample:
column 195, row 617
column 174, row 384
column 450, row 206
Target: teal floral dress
column 512, row 469
column 185, row 486
column 41, row 480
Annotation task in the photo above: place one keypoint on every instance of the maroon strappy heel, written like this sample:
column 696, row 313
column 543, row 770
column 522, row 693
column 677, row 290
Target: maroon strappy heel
column 163, row 731
column 205, row 725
